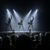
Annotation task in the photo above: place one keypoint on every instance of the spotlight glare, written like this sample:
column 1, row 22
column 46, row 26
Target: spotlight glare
column 28, row 14
column 8, row 13
column 17, row 15
column 25, row 21
column 35, row 13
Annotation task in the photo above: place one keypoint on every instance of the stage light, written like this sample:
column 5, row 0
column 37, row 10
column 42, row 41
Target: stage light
column 8, row 13
column 35, row 13
column 17, row 16
column 26, row 19
column 28, row 14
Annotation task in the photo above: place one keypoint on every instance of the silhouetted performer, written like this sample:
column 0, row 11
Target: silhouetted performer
column 30, row 24
column 20, row 23
column 9, row 22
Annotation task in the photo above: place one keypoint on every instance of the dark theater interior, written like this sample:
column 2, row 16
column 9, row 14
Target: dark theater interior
column 25, row 24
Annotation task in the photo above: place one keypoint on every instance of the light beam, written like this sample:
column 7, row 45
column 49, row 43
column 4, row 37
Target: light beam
column 26, row 19
column 17, row 16
column 8, row 13
column 35, row 13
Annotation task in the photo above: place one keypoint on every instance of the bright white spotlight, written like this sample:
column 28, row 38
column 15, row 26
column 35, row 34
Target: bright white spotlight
column 26, row 19
column 17, row 16
column 28, row 14
column 35, row 13
column 8, row 13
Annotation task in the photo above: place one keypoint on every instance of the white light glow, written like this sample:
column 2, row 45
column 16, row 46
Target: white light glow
column 17, row 16
column 35, row 13
column 16, row 19
column 28, row 14
column 26, row 19
column 8, row 13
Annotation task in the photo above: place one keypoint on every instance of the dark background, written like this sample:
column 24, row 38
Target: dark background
column 23, row 6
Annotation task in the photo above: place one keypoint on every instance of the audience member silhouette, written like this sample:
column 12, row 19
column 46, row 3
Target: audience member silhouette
column 24, row 42
column 13, row 39
column 1, row 40
column 6, row 42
